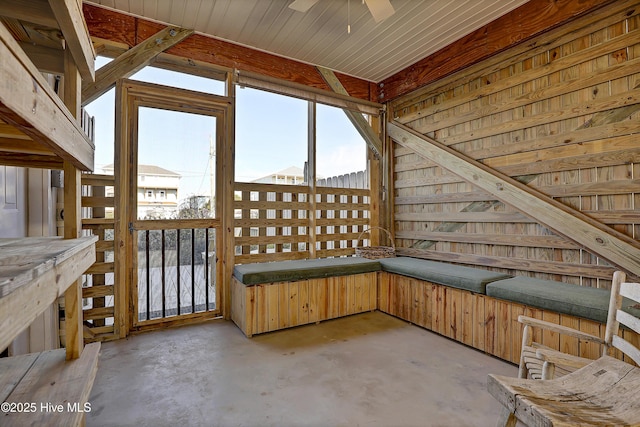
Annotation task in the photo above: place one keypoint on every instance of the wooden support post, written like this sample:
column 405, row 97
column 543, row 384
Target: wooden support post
column 73, row 295
column 72, row 216
column 98, row 278
column 123, row 316
column 369, row 132
column 72, row 86
column 311, row 176
column 376, row 190
column 225, row 169
column 387, row 218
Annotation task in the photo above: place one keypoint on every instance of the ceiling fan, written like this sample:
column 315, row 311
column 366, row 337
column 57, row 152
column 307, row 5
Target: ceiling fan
column 380, row 9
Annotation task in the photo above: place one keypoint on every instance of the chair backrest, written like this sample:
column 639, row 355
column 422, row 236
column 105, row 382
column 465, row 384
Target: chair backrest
column 619, row 289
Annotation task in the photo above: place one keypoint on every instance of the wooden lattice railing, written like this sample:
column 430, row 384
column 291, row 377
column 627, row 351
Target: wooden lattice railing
column 97, row 295
column 282, row 222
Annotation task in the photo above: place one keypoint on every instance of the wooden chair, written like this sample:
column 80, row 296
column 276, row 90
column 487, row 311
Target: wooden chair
column 605, row 392
column 540, row 362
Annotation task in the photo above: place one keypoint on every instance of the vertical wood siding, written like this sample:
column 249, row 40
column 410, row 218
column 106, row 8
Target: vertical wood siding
column 561, row 115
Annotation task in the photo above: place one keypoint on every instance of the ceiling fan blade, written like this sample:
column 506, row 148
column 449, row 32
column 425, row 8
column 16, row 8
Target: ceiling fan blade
column 380, row 9
column 302, row 5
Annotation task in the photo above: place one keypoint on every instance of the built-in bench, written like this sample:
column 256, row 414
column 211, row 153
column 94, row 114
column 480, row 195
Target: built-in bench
column 281, row 271
column 445, row 298
column 565, row 298
column 442, row 273
column 480, row 308
column 476, row 307
column 275, row 295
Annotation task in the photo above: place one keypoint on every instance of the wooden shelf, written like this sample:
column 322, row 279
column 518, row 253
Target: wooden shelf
column 37, row 129
column 28, row 104
column 33, row 273
column 55, row 389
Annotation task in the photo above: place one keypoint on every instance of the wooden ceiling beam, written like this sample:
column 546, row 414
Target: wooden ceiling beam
column 112, row 49
column 604, row 241
column 132, row 61
column 296, row 90
column 189, row 66
column 68, row 13
column 108, row 48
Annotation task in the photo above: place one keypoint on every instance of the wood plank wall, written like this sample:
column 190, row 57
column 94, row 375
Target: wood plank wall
column 560, row 114
column 518, row 26
column 273, row 221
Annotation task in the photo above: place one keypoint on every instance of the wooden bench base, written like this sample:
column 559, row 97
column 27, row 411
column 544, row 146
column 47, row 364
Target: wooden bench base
column 485, row 323
column 272, row 306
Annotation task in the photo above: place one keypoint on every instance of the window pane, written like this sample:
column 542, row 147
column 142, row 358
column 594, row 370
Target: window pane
column 180, row 80
column 103, row 109
column 340, row 150
column 176, row 164
column 271, row 137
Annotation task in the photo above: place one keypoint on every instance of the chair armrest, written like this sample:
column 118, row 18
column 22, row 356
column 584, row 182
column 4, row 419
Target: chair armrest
column 564, row 359
column 559, row 329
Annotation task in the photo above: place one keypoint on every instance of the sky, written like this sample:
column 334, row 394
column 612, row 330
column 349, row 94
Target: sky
column 271, row 134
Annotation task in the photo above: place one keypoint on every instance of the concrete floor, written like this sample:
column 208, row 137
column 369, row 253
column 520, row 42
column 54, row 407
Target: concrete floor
column 364, row 370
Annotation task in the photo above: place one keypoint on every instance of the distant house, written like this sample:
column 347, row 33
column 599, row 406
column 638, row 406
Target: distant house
column 292, row 175
column 157, row 191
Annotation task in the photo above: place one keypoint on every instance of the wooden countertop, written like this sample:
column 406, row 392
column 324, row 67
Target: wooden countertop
column 24, row 260
column 33, row 273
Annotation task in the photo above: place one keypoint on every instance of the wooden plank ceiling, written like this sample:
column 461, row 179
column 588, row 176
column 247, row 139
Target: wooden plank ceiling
column 319, row 36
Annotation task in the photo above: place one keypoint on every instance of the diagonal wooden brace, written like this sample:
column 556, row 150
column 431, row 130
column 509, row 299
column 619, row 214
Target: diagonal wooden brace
column 359, row 122
column 132, row 61
column 615, row 247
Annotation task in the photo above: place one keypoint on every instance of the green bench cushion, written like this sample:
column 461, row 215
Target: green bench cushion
column 581, row 301
column 286, row 271
column 455, row 276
